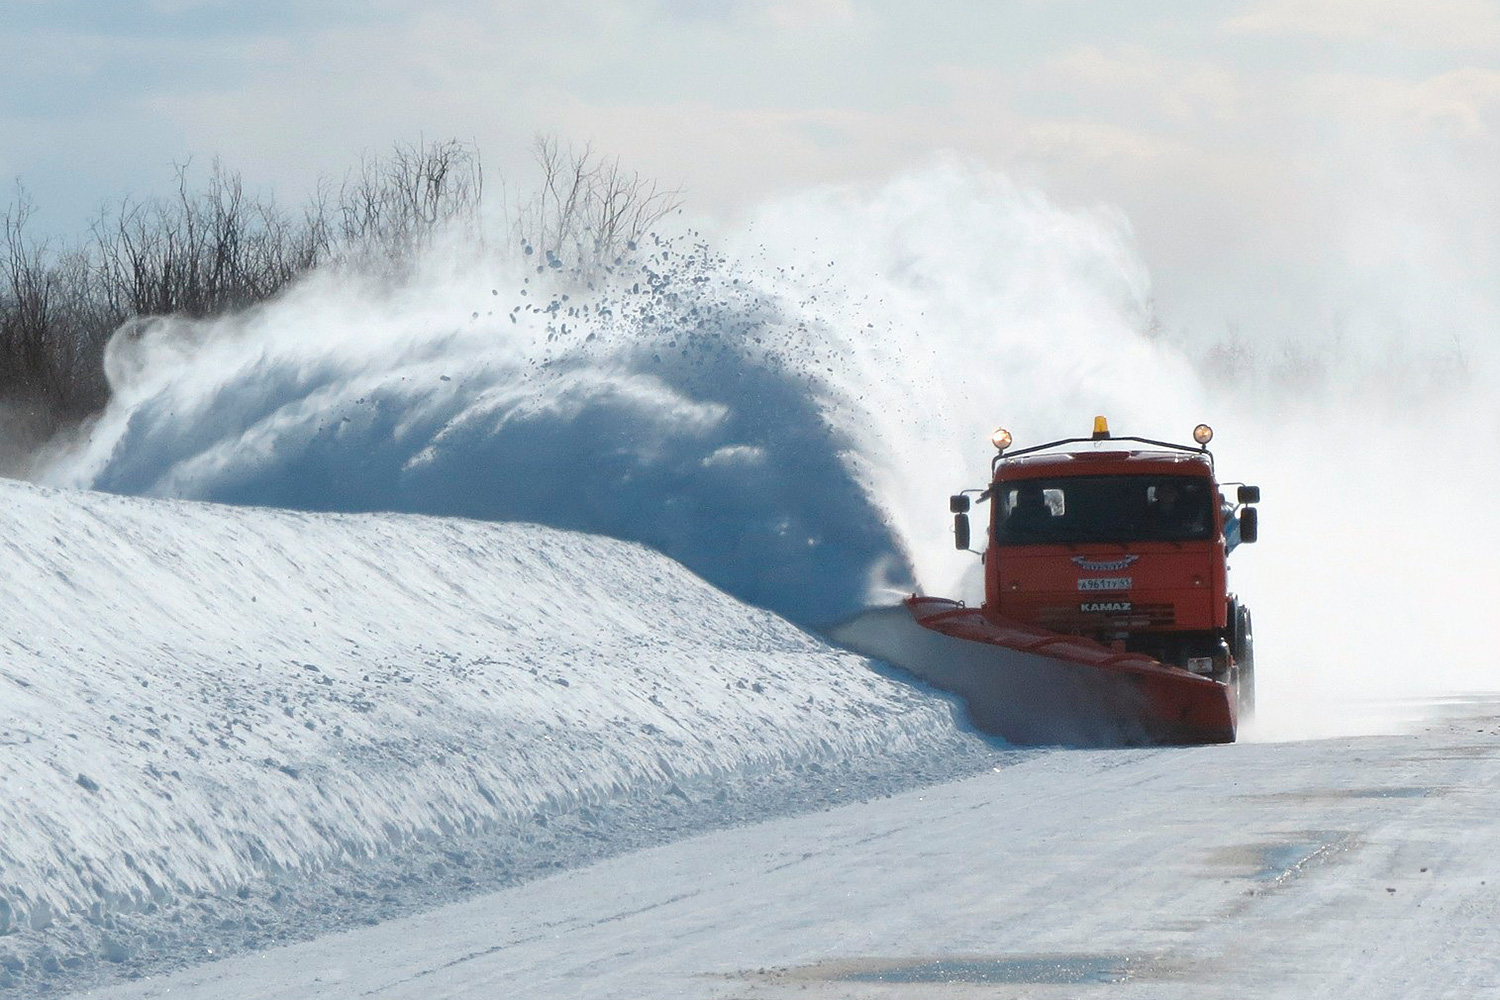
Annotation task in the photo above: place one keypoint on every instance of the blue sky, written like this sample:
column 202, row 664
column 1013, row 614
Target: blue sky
column 1251, row 138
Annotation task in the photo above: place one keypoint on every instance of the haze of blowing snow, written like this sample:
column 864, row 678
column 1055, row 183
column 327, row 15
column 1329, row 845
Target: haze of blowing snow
column 784, row 411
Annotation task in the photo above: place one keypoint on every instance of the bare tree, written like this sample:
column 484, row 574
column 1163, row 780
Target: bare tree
column 215, row 247
column 627, row 206
column 25, row 319
column 200, row 253
column 588, row 209
column 47, row 360
column 390, row 208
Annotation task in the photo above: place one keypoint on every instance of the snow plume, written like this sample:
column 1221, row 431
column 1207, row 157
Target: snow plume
column 1369, row 586
column 786, row 411
column 1372, row 584
column 668, row 405
column 784, row 415
column 1362, row 397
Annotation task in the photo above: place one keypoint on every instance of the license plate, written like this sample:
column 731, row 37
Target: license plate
column 1105, row 583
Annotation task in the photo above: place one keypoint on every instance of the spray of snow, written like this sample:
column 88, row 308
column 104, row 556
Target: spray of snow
column 785, row 413
column 780, row 416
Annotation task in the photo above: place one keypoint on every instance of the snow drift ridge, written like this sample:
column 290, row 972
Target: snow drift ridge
column 193, row 697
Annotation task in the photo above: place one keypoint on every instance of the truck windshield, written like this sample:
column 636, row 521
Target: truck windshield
column 1103, row 509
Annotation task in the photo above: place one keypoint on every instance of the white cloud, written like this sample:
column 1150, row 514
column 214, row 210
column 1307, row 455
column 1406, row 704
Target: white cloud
column 1129, row 80
column 1461, row 25
column 1462, row 104
column 805, row 15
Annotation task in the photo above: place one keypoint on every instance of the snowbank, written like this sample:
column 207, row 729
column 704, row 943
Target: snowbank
column 196, row 699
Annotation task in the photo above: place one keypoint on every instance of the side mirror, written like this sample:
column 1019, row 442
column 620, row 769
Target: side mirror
column 1249, row 494
column 1249, row 524
column 958, row 504
column 961, row 531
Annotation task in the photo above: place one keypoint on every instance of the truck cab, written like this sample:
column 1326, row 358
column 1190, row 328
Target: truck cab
column 1123, row 541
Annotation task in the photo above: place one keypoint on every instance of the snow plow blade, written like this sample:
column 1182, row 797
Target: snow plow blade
column 1029, row 686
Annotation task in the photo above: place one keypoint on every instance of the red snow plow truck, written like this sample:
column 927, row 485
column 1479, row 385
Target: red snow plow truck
column 1107, row 616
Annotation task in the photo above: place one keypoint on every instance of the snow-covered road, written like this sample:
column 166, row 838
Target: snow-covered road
column 1352, row 867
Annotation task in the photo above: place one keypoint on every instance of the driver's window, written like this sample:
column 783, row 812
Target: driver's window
column 1057, row 504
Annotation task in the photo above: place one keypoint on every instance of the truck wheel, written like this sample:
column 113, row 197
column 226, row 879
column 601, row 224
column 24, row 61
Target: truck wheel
column 1243, row 651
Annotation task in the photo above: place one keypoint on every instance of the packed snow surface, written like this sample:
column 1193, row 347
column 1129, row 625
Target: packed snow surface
column 202, row 708
column 1346, row 868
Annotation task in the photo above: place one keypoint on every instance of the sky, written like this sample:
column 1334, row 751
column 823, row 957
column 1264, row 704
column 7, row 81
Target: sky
column 1280, row 162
